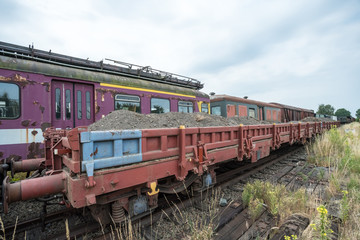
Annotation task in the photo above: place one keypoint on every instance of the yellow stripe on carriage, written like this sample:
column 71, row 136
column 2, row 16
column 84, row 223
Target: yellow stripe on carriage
column 145, row 90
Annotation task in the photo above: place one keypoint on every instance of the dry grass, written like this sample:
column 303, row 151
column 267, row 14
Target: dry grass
column 339, row 149
column 195, row 222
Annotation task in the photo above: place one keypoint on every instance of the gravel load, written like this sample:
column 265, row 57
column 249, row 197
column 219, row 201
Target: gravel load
column 123, row 119
column 315, row 119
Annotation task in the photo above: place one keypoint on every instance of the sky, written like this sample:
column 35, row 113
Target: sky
column 301, row 53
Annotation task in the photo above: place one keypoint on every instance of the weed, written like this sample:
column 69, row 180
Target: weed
column 292, row 237
column 303, row 176
column 321, row 174
column 322, row 227
column 344, row 206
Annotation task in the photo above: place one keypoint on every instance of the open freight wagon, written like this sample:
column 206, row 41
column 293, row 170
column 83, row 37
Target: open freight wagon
column 123, row 172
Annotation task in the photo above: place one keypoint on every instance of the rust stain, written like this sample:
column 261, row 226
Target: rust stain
column 27, row 135
column 45, row 125
column 22, row 81
column 94, row 153
column 0, row 123
column 34, row 132
column 25, row 123
column 35, row 151
column 1, row 154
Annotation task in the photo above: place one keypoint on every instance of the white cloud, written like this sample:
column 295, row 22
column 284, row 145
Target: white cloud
column 281, row 50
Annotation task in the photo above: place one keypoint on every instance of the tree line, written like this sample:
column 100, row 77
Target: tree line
column 341, row 112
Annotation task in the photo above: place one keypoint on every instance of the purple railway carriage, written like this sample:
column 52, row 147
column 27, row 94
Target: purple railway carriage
column 40, row 89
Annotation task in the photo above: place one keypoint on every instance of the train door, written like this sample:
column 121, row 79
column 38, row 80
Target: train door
column 84, row 107
column 72, row 104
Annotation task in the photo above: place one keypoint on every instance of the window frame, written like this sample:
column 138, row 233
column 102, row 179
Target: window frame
column 19, row 91
column 212, row 112
column 207, row 107
column 168, row 100
column 130, row 101
column 88, row 104
column 252, row 110
column 185, row 105
column 79, row 101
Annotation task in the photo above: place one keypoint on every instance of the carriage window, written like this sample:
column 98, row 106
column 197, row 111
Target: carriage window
column 127, row 102
column 68, row 103
column 252, row 112
column 9, row 100
column 79, row 112
column 159, row 105
column 57, row 103
column 204, row 108
column 186, row 107
column 216, row 110
column 88, row 107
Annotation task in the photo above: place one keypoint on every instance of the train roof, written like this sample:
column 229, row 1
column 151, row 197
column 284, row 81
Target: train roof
column 293, row 108
column 221, row 97
column 118, row 67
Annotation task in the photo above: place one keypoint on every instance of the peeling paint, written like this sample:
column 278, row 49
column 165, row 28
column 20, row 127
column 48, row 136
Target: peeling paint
column 1, row 154
column 47, row 85
column 25, row 123
column 13, row 157
column 42, row 108
column 0, row 123
column 34, row 124
column 34, row 132
column 45, row 125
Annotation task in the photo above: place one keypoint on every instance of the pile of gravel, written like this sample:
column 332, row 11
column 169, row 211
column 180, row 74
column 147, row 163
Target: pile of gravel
column 123, row 119
column 315, row 119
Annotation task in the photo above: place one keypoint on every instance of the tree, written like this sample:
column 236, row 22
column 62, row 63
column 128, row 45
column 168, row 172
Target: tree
column 325, row 109
column 342, row 112
column 357, row 113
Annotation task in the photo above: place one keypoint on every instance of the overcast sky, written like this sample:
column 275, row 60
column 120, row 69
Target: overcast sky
column 301, row 53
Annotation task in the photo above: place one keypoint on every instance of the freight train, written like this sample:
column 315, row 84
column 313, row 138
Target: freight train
column 50, row 97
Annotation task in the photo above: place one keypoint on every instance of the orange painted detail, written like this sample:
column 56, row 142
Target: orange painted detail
column 268, row 114
column 242, row 111
column 230, row 109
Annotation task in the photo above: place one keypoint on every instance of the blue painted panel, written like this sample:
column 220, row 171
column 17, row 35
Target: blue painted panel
column 103, row 149
column 130, row 146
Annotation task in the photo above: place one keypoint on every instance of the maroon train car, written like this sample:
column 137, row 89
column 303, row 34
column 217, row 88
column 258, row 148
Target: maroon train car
column 230, row 106
column 290, row 113
column 40, row 89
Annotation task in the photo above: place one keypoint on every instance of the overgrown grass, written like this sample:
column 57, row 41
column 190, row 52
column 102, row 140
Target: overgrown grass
column 339, row 149
column 280, row 202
